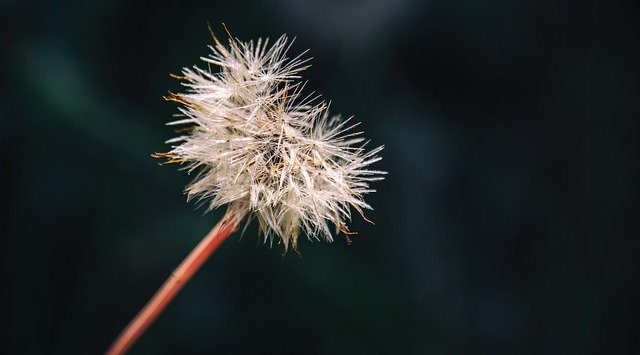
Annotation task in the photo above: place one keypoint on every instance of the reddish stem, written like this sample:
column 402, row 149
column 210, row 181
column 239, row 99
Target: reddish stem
column 174, row 284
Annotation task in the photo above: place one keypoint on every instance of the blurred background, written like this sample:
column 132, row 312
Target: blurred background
column 508, row 223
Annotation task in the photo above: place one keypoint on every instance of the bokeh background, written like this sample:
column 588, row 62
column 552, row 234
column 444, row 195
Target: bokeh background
column 508, row 222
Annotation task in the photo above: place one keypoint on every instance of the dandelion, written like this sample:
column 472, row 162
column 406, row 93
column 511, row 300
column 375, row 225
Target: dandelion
column 264, row 149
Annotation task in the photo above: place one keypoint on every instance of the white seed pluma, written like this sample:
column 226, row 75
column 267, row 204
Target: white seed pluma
column 261, row 146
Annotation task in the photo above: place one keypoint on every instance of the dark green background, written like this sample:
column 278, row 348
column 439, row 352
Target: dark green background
column 508, row 222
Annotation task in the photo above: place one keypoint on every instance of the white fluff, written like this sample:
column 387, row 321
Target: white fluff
column 261, row 146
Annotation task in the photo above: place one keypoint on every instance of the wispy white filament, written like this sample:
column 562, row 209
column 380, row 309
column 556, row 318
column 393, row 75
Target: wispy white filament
column 258, row 144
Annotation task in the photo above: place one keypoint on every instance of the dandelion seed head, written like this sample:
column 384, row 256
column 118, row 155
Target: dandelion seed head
column 257, row 143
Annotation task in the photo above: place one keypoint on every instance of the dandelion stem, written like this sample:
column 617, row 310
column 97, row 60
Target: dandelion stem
column 179, row 277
